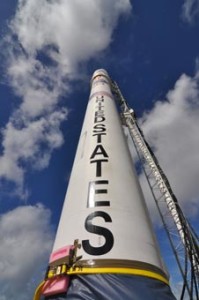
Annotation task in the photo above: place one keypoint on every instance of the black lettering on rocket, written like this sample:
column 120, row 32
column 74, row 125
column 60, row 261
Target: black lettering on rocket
column 99, row 128
column 106, row 233
column 98, row 163
column 99, row 137
column 98, row 189
column 99, row 150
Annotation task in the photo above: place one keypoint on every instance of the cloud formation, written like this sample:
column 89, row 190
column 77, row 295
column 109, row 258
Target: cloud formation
column 46, row 43
column 23, row 145
column 190, row 10
column 171, row 128
column 26, row 240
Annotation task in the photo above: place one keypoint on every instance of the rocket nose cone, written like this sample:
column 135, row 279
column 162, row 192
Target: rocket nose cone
column 101, row 72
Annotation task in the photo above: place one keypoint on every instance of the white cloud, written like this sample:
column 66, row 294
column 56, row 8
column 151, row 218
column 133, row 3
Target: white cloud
column 171, row 128
column 26, row 239
column 24, row 145
column 77, row 29
column 46, row 43
column 190, row 10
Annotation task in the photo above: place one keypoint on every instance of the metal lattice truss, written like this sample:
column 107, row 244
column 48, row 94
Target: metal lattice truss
column 183, row 240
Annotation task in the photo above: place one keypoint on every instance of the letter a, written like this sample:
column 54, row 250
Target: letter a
column 98, row 151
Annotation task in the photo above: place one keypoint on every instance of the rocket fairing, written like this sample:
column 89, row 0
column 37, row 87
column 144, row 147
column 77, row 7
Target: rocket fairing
column 105, row 210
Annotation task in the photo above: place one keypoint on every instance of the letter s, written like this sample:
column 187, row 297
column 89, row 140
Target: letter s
column 109, row 239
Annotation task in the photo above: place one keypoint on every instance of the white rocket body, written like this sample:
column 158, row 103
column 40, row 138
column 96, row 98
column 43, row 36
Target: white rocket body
column 104, row 206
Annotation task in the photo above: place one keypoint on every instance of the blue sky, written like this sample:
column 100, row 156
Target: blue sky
column 49, row 51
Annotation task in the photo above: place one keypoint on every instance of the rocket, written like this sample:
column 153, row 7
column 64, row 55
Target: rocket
column 105, row 247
